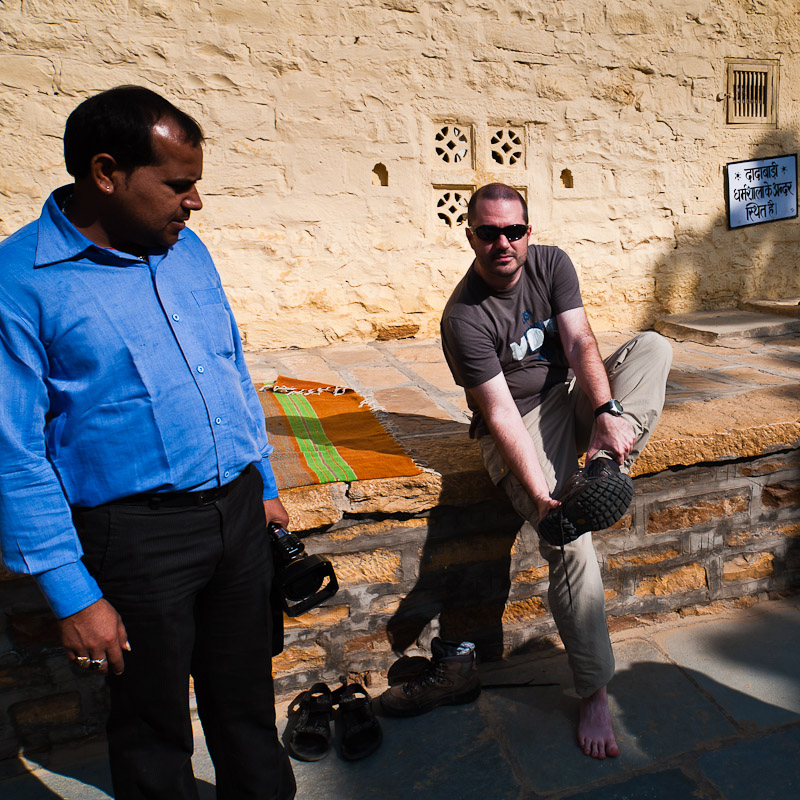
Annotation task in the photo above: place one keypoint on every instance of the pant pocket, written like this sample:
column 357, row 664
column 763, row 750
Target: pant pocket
column 94, row 532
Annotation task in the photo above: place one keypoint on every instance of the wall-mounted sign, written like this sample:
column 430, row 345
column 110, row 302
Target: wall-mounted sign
column 764, row 190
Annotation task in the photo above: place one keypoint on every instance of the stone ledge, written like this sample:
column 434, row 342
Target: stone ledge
column 787, row 307
column 742, row 426
column 729, row 325
column 697, row 432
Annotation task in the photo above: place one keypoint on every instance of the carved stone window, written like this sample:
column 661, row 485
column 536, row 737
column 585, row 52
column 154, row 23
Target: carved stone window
column 752, row 92
column 506, row 146
column 453, row 145
column 451, row 204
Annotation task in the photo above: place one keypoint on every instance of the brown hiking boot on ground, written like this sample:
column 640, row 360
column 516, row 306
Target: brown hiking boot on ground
column 451, row 678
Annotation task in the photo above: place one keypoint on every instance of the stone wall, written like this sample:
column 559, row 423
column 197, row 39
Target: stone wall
column 44, row 700
column 328, row 208
column 696, row 538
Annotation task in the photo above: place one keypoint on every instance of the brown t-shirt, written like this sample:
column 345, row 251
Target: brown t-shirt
column 486, row 332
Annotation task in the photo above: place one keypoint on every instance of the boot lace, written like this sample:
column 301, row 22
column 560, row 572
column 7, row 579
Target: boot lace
column 435, row 673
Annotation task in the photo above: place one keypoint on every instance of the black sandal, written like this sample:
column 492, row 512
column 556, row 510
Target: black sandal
column 358, row 733
column 308, row 734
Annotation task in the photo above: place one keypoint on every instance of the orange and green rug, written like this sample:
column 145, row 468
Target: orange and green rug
column 324, row 434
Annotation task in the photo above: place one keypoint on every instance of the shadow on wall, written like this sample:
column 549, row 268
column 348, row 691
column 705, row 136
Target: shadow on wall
column 463, row 579
column 700, row 273
column 463, row 582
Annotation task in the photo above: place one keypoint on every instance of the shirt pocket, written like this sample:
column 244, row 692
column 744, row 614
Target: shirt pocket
column 216, row 318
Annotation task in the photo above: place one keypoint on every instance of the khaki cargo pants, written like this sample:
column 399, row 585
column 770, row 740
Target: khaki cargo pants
column 561, row 429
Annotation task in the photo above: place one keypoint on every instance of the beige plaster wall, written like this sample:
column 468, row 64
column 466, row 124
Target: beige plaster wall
column 302, row 101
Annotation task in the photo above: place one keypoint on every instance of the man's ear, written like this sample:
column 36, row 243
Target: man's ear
column 103, row 172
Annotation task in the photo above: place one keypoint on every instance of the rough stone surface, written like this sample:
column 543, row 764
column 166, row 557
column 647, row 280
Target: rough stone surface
column 326, row 202
column 294, row 659
column 685, row 579
column 756, row 565
column 677, row 517
column 380, row 566
column 723, row 428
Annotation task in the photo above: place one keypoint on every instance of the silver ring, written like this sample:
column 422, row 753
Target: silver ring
column 83, row 661
column 97, row 663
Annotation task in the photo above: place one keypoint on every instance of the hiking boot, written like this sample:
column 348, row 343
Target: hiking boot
column 451, row 678
column 593, row 498
column 406, row 668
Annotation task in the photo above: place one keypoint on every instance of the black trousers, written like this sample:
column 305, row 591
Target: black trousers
column 192, row 586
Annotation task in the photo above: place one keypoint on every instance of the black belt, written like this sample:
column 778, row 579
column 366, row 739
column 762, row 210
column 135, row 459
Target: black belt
column 156, row 500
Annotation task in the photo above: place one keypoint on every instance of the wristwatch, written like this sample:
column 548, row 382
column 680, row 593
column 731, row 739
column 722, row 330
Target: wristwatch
column 613, row 407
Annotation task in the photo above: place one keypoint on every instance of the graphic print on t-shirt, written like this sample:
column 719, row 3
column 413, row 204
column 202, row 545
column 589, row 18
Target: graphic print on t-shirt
column 538, row 339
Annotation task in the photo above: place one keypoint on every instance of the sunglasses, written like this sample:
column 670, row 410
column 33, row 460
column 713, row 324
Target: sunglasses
column 488, row 233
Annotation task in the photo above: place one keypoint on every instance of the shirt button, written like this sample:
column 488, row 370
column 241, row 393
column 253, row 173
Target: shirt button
column 201, row 368
column 218, row 420
column 176, row 317
column 227, row 474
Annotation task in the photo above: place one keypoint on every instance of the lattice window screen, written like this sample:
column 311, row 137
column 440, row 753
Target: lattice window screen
column 451, row 204
column 506, row 146
column 462, row 154
column 453, row 145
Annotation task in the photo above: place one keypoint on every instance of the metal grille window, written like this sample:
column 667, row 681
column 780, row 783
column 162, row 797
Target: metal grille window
column 752, row 89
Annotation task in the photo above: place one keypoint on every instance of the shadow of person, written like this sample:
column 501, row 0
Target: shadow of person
column 463, row 581
column 664, row 714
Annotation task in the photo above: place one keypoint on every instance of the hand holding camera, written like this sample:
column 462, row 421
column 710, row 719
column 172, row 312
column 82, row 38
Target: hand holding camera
column 301, row 577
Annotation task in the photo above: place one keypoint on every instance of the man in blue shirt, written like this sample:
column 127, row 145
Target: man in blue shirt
column 135, row 484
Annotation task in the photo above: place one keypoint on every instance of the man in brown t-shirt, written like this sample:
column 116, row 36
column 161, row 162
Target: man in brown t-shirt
column 511, row 330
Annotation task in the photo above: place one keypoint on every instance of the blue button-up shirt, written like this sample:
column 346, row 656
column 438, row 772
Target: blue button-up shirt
column 118, row 375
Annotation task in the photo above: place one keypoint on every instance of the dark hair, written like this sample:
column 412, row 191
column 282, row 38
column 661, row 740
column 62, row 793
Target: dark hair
column 120, row 122
column 495, row 191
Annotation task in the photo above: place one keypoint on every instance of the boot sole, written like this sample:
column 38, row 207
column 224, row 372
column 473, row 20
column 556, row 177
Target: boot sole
column 445, row 700
column 600, row 505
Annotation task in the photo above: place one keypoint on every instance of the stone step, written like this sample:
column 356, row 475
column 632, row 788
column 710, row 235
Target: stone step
column 785, row 307
column 728, row 326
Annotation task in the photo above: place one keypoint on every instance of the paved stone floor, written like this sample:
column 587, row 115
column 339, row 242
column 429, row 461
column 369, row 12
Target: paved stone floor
column 705, row 706
column 411, row 374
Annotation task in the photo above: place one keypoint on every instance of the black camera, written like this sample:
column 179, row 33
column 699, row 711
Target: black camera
column 301, row 577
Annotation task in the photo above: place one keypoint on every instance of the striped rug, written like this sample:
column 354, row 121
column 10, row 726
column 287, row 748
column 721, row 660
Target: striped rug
column 323, row 434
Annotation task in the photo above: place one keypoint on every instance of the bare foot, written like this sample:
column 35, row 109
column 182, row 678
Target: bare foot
column 595, row 734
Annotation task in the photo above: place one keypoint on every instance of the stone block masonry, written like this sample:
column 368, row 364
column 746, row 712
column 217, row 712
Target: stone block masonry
column 696, row 539
column 695, row 536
